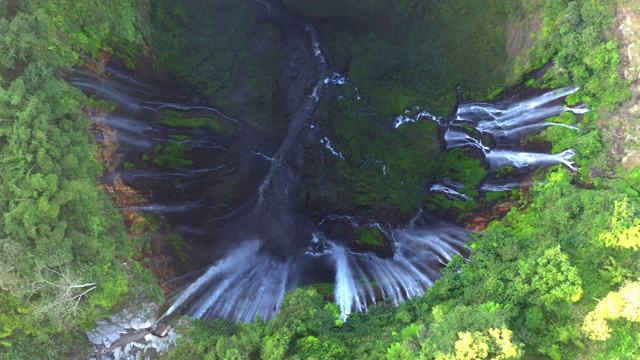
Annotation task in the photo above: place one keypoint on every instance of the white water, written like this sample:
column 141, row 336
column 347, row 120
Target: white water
column 413, row 268
column 449, row 192
column 249, row 281
column 512, row 135
column 403, row 119
column 337, row 79
column 244, row 284
column 455, row 137
column 159, row 105
column 504, row 187
column 347, row 293
column 166, row 208
column 516, row 114
column 199, row 143
column 327, row 144
column 506, row 122
column 135, row 96
column 124, row 124
column 499, row 158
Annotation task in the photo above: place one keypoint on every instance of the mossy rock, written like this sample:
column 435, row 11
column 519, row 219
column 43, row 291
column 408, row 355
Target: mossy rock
column 176, row 118
column 370, row 236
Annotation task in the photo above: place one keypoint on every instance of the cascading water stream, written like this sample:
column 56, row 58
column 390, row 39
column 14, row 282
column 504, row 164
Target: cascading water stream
column 418, row 255
column 520, row 159
column 450, row 192
column 506, row 122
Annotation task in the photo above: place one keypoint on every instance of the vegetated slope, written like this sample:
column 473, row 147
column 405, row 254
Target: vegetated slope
column 556, row 278
column 65, row 259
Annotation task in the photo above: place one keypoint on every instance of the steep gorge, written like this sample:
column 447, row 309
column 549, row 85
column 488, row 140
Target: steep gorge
column 260, row 231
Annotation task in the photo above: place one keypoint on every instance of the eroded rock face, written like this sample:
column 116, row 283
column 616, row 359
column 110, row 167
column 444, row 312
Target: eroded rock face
column 627, row 30
column 621, row 129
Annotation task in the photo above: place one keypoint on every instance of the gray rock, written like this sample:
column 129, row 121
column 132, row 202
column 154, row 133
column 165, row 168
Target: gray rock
column 106, row 333
column 166, row 331
column 117, row 352
column 163, row 344
column 121, row 320
column 138, row 323
column 113, row 332
column 135, row 318
column 94, row 337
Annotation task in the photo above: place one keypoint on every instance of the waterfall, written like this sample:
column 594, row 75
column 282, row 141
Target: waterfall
column 242, row 285
column 449, row 192
column 506, row 122
column 177, row 208
column 250, row 280
column 519, row 159
column 347, row 294
column 265, row 258
column 419, row 252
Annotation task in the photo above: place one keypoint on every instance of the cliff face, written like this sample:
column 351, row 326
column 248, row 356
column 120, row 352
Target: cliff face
column 620, row 128
column 351, row 167
column 385, row 59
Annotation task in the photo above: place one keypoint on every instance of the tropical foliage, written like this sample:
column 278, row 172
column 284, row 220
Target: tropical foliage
column 62, row 245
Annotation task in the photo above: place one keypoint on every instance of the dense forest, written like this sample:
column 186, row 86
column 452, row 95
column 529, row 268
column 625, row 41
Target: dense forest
column 558, row 276
column 64, row 247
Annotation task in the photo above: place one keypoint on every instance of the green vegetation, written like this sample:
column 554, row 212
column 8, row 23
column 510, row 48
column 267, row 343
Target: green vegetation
column 181, row 247
column 382, row 168
column 62, row 245
column 530, row 288
column 586, row 142
column 174, row 155
column 186, row 43
column 458, row 165
column 219, row 47
column 406, row 53
column 380, row 51
column 370, row 236
column 572, row 33
column 505, row 170
column 101, row 104
column 496, row 195
column 177, row 118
